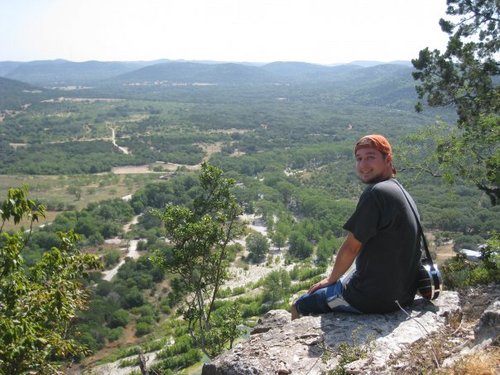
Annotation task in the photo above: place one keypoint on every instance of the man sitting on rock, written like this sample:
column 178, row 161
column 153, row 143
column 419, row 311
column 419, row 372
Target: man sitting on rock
column 382, row 237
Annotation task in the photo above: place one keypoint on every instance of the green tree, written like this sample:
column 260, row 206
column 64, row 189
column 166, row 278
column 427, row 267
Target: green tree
column 257, row 246
column 142, row 328
column 76, row 191
column 279, row 239
column 276, row 286
column 199, row 237
column 465, row 76
column 37, row 303
column 225, row 328
column 325, row 250
column 120, row 318
column 111, row 258
column 300, row 247
column 134, row 298
column 280, row 233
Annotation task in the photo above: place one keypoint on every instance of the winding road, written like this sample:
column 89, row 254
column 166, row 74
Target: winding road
column 131, row 250
column 131, row 253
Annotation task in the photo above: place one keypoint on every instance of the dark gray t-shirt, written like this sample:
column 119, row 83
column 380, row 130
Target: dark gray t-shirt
column 386, row 266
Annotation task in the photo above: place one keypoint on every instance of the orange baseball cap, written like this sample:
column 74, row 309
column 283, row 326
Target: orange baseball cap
column 376, row 141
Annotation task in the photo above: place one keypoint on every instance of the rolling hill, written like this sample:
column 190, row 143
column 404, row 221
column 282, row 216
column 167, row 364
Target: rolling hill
column 385, row 85
column 190, row 72
column 62, row 72
column 14, row 94
column 92, row 73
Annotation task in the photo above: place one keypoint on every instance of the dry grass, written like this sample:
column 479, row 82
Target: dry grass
column 427, row 356
column 24, row 224
column 55, row 189
column 484, row 363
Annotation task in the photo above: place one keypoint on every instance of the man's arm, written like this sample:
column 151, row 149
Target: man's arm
column 344, row 259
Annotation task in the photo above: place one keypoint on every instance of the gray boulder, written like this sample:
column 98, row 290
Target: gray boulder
column 311, row 345
column 488, row 327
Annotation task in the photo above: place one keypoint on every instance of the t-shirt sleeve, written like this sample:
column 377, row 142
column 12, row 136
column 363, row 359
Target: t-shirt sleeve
column 364, row 221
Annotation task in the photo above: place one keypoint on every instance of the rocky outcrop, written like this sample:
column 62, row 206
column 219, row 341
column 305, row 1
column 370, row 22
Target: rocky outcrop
column 313, row 345
column 488, row 327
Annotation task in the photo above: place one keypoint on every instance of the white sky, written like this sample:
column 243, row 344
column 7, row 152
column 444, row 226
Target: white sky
column 316, row 31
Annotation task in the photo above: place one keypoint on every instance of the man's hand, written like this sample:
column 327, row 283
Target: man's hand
column 321, row 284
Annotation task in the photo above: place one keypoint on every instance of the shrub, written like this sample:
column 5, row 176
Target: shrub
column 111, row 258
column 299, row 273
column 142, row 329
column 258, row 246
column 458, row 272
column 120, row 318
column 115, row 333
column 103, row 288
column 184, row 360
column 134, row 298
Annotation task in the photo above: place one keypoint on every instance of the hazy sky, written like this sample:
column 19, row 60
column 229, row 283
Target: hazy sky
column 317, row 31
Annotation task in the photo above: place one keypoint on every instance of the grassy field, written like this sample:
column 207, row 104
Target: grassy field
column 74, row 192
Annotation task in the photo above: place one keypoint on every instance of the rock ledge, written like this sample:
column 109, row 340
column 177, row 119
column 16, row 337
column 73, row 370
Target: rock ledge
column 309, row 345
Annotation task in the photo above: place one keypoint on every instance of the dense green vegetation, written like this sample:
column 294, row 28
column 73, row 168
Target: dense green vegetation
column 38, row 301
column 459, row 273
column 14, row 94
column 465, row 75
column 282, row 136
column 198, row 253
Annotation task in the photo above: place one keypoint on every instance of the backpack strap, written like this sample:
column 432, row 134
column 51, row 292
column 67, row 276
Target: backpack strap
column 420, row 230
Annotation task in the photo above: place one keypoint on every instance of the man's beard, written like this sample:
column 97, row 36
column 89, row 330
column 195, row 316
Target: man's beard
column 374, row 179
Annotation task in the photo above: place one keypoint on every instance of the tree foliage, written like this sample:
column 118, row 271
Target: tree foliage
column 257, row 246
column 225, row 327
column 458, row 272
column 199, row 239
column 276, row 286
column 466, row 77
column 300, row 247
column 37, row 303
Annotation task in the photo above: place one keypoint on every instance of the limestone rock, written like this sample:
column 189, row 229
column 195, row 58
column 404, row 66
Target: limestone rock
column 486, row 334
column 270, row 320
column 488, row 327
column 310, row 345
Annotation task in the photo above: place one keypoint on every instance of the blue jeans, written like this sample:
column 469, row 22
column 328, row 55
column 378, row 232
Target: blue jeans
column 324, row 300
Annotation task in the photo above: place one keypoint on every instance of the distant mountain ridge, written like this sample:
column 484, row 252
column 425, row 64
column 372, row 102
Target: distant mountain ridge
column 198, row 72
column 387, row 85
column 63, row 72
column 52, row 73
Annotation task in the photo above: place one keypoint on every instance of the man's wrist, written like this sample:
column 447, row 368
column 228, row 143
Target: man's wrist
column 332, row 279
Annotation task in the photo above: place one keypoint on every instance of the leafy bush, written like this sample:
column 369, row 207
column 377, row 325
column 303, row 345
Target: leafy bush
column 149, row 319
column 103, row 288
column 183, row 360
column 166, row 309
column 252, row 309
column 182, row 344
column 276, row 287
column 129, row 362
column 120, row 318
column 115, row 333
column 38, row 303
column 300, row 247
column 134, row 298
column 239, row 290
column 458, row 272
column 301, row 273
column 142, row 329
column 111, row 258
column 257, row 246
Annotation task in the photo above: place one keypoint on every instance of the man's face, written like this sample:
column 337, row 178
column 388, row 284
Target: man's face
column 372, row 166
